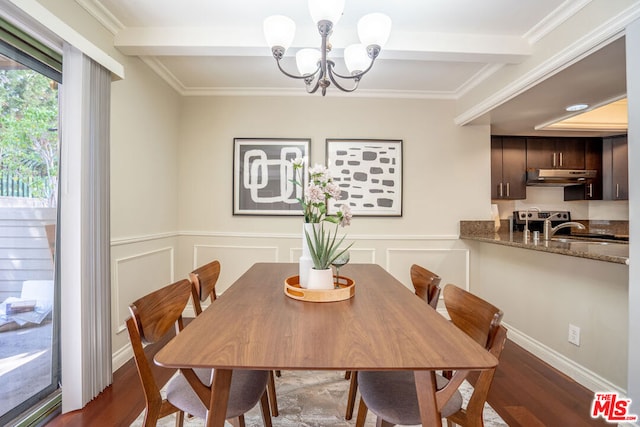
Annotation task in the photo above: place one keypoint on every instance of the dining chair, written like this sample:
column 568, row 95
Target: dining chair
column 152, row 319
column 392, row 395
column 203, row 280
column 426, row 285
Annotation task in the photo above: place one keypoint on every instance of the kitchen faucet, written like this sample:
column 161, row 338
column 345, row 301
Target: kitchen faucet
column 526, row 231
column 549, row 231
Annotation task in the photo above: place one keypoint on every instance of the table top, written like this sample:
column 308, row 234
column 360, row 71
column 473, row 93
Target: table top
column 254, row 325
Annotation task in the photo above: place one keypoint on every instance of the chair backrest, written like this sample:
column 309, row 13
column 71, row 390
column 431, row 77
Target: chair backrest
column 476, row 317
column 152, row 318
column 426, row 284
column 204, row 281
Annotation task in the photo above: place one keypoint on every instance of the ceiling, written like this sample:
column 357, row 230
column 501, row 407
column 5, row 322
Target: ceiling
column 437, row 49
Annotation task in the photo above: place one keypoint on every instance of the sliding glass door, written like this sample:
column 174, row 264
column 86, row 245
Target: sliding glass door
column 29, row 153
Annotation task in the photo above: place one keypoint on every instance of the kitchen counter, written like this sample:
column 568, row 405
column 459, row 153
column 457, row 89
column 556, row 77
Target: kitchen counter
column 483, row 231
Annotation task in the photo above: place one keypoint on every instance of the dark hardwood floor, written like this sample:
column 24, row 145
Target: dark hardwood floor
column 526, row 392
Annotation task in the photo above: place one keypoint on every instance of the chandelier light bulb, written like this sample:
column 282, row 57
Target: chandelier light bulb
column 326, row 10
column 374, row 29
column 279, row 30
column 356, row 58
column 307, row 61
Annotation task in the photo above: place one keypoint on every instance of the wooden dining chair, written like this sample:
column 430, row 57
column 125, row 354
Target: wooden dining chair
column 152, row 319
column 392, row 396
column 426, row 285
column 203, row 281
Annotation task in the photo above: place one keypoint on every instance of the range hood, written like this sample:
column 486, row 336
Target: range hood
column 559, row 177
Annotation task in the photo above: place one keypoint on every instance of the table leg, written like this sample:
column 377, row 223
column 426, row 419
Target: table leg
column 426, row 389
column 219, row 398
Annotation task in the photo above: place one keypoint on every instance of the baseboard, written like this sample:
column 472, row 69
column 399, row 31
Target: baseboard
column 121, row 356
column 577, row 372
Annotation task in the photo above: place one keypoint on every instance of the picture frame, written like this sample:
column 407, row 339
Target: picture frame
column 263, row 174
column 369, row 173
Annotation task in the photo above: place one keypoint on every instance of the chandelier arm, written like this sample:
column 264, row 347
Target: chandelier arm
column 356, row 76
column 335, row 82
column 293, row 76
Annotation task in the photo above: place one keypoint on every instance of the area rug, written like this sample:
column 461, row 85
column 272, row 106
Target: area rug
column 315, row 399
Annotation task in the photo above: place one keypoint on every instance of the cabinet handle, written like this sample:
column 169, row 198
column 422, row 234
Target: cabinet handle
column 561, row 160
column 617, row 191
column 554, row 160
column 508, row 190
column 590, row 190
column 500, row 190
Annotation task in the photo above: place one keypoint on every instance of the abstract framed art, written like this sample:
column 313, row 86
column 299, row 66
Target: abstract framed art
column 262, row 174
column 369, row 173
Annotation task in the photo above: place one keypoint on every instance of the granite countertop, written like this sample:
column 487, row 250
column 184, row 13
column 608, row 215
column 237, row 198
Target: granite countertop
column 483, row 231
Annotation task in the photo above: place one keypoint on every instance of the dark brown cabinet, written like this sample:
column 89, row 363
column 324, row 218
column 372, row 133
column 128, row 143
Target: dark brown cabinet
column 508, row 167
column 555, row 153
column 615, row 161
column 592, row 189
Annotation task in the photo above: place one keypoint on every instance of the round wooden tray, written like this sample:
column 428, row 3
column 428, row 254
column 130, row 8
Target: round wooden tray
column 345, row 290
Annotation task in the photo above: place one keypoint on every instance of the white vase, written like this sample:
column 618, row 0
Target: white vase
column 320, row 279
column 305, row 262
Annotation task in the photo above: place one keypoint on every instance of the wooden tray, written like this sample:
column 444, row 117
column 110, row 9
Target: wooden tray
column 345, row 290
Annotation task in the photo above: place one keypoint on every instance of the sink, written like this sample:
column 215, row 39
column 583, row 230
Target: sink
column 578, row 240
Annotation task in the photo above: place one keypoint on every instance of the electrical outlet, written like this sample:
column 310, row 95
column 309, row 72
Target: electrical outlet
column 574, row 335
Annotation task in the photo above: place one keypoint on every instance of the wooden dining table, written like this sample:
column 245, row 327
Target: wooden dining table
column 384, row 326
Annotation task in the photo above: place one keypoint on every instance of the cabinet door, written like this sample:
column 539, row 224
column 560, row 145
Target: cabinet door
column 497, row 186
column 540, row 153
column 620, row 168
column 592, row 190
column 570, row 153
column 514, row 166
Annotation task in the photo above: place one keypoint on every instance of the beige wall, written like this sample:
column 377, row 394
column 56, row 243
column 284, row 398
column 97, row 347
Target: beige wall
column 145, row 116
column 542, row 293
column 445, row 171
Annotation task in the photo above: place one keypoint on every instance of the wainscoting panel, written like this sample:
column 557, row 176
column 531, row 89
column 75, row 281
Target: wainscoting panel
column 137, row 275
column 234, row 260
column 452, row 264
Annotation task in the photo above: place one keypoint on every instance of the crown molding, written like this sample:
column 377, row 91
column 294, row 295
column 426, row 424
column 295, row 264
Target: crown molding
column 102, row 15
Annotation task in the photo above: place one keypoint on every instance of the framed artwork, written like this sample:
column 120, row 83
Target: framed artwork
column 369, row 173
column 263, row 174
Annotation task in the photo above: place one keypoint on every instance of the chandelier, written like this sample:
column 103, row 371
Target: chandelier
column 314, row 67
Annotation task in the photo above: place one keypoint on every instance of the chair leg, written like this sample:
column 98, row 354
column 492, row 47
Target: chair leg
column 179, row 419
column 264, row 408
column 271, row 390
column 382, row 423
column 278, row 373
column 237, row 422
column 351, row 397
column 362, row 414
column 347, row 375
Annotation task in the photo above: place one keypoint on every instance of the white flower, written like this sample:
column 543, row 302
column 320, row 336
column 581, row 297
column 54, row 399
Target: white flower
column 315, row 194
column 319, row 173
column 333, row 190
column 345, row 214
column 298, row 162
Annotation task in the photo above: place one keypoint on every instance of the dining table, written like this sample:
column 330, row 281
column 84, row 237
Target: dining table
column 383, row 326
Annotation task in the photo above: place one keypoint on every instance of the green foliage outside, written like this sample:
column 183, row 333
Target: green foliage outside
column 28, row 131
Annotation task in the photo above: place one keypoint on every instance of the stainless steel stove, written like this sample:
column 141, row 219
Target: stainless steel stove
column 535, row 219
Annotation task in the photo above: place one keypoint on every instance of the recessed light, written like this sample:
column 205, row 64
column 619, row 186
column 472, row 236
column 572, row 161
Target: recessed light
column 577, row 107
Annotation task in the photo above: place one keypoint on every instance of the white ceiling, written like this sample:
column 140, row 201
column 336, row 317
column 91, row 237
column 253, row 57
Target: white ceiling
column 437, row 48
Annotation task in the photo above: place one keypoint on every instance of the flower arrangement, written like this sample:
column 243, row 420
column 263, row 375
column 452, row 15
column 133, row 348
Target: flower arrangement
column 323, row 247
